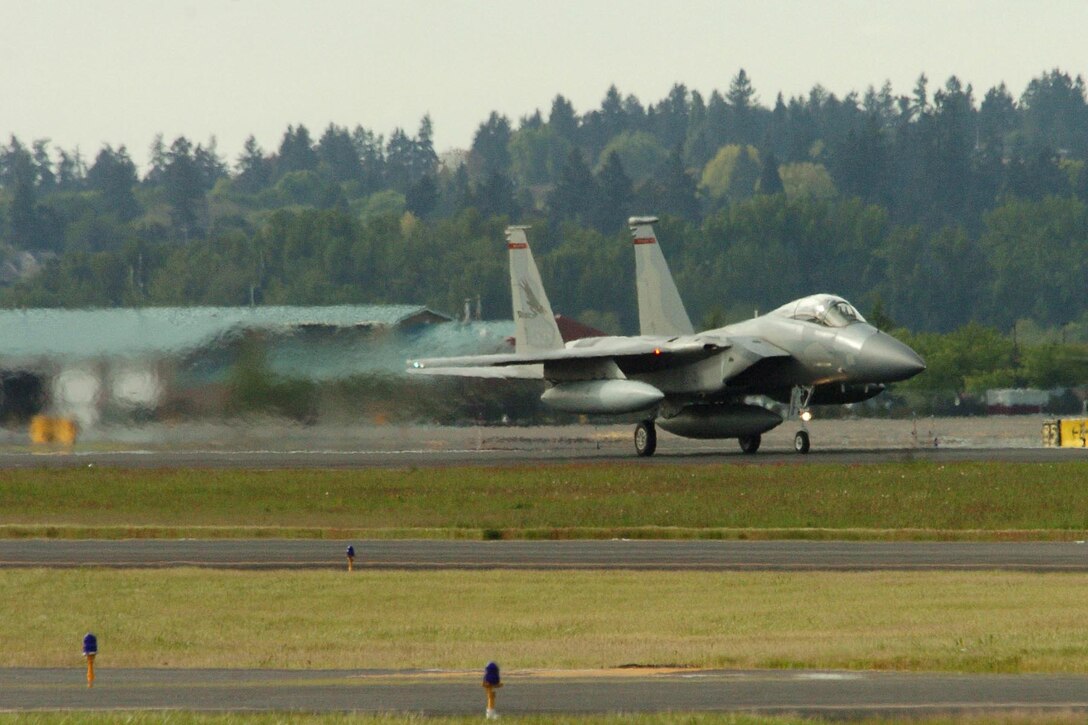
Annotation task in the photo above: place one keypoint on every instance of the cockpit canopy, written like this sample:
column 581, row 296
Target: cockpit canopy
column 826, row 310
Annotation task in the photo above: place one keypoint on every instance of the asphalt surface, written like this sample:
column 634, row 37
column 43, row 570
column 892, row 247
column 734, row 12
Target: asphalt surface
column 549, row 555
column 827, row 693
column 520, row 456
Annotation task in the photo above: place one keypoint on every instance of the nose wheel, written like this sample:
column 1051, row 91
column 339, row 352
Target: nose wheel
column 799, row 402
column 645, row 438
column 800, row 441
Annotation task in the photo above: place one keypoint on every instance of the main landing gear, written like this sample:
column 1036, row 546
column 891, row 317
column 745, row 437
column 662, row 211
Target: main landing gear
column 750, row 444
column 799, row 402
column 645, row 438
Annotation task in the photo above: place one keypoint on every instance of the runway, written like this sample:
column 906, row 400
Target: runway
column 843, row 442
column 528, row 456
column 550, row 555
column 839, row 694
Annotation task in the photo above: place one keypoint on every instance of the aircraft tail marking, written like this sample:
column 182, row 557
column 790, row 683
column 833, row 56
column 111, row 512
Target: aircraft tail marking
column 535, row 329
column 660, row 309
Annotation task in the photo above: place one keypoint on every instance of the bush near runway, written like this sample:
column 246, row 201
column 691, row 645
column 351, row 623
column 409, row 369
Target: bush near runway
column 924, row 500
column 933, row 621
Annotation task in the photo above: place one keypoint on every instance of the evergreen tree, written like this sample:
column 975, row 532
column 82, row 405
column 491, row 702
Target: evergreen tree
column 113, row 175
column 746, row 172
column 679, row 190
column 532, row 121
column 336, row 151
column 996, row 121
column 296, row 151
column 1036, row 177
column 1056, row 114
column 615, row 197
column 254, row 168
column 563, row 120
column 370, row 150
column 575, row 195
column 23, row 213
column 495, row 197
column 862, row 164
column 209, row 165
column 399, row 161
column 457, row 194
column 425, row 160
column 671, row 117
column 157, row 161
column 71, row 171
column 422, row 196
column 43, row 166
column 184, row 187
column 742, row 101
column 491, row 147
column 770, row 182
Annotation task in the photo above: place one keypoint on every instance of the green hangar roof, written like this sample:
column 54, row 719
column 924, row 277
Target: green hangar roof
column 35, row 334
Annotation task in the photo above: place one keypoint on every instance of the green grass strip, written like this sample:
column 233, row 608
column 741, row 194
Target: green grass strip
column 943, row 621
column 925, row 500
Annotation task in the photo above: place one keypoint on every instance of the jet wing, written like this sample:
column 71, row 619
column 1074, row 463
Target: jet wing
column 599, row 357
column 505, row 372
column 592, row 348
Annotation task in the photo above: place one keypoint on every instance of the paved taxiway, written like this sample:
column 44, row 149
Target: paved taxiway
column 550, row 555
column 830, row 693
column 528, row 455
column 269, row 444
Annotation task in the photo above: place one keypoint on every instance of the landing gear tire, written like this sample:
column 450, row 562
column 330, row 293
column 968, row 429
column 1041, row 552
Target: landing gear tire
column 645, row 438
column 800, row 441
column 750, row 444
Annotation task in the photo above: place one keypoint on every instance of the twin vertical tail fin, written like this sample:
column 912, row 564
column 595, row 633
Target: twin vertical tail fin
column 660, row 309
column 534, row 324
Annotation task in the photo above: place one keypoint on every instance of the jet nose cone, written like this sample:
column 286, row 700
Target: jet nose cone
column 883, row 359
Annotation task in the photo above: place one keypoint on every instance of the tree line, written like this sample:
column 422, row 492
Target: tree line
column 933, row 207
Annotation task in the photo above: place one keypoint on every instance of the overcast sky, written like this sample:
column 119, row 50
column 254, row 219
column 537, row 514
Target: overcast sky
column 88, row 72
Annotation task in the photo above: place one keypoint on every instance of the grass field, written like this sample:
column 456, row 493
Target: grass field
column 895, row 500
column 952, row 621
column 188, row 718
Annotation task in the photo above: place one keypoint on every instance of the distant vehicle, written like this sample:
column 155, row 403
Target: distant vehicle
column 813, row 351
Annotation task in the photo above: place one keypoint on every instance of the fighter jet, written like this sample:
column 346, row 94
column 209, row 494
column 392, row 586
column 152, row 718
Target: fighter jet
column 812, row 351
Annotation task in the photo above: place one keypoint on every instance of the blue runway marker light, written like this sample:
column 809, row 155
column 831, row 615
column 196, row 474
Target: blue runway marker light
column 491, row 683
column 90, row 649
column 351, row 557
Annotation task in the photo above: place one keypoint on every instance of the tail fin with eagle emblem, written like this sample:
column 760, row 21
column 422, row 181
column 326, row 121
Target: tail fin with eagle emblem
column 535, row 329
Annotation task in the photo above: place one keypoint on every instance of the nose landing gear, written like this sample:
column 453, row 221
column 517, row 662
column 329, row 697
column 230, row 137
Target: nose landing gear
column 799, row 402
column 800, row 441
